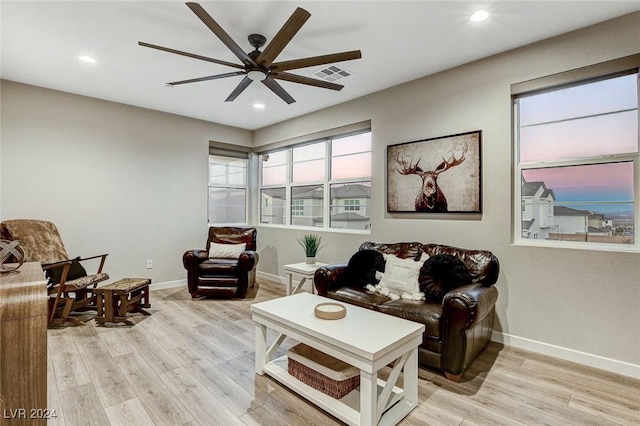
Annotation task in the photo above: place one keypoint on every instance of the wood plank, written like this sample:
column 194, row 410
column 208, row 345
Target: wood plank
column 198, row 399
column 82, row 406
column 129, row 412
column 152, row 392
column 106, row 374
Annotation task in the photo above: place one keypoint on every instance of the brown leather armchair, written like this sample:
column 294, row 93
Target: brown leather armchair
column 223, row 276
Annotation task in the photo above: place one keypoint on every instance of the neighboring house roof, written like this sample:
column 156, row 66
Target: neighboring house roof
column 349, row 217
column 529, row 189
column 547, row 193
column 306, row 192
column 351, row 191
column 526, row 224
column 566, row 211
column 605, row 230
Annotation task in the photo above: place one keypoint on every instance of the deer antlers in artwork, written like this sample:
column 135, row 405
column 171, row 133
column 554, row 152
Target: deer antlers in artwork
column 431, row 198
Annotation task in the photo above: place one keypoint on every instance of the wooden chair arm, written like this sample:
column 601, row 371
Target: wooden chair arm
column 103, row 256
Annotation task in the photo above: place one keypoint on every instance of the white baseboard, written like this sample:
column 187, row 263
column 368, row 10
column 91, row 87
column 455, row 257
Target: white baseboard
column 596, row 361
column 168, row 284
column 272, row 278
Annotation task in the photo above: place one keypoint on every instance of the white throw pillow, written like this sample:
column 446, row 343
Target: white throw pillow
column 400, row 277
column 230, row 251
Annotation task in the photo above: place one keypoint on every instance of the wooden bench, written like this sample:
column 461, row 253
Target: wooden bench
column 115, row 300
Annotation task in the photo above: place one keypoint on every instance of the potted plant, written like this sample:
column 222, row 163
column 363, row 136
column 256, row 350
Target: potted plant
column 311, row 243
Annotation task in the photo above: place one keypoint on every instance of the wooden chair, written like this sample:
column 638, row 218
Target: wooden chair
column 41, row 242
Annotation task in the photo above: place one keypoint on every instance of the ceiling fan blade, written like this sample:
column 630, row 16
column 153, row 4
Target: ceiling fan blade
column 211, row 77
column 306, row 80
column 190, row 55
column 278, row 90
column 284, row 36
column 316, row 60
column 222, row 35
column 239, row 89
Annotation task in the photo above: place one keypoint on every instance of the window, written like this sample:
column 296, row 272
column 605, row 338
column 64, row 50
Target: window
column 351, row 205
column 576, row 156
column 320, row 184
column 227, row 190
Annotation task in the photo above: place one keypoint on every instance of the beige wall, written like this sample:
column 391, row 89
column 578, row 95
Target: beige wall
column 576, row 304
column 132, row 182
column 115, row 179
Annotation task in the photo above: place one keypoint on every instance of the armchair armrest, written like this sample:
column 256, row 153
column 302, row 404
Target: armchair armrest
column 193, row 258
column 329, row 277
column 248, row 260
column 467, row 315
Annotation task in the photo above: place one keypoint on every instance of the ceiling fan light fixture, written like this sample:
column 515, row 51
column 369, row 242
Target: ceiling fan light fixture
column 257, row 75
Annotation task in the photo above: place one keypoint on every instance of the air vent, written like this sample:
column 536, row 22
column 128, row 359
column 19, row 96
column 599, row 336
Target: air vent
column 332, row 73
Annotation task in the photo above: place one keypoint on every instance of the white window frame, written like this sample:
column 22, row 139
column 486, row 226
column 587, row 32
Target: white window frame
column 326, row 183
column 236, row 155
column 602, row 71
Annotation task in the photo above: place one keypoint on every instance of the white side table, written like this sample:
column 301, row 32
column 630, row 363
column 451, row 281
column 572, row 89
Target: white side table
column 303, row 269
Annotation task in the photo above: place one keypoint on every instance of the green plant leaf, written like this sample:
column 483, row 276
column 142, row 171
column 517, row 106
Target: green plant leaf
column 311, row 243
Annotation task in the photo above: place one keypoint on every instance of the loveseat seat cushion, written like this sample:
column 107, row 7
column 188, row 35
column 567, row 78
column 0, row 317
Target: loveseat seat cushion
column 421, row 312
column 358, row 296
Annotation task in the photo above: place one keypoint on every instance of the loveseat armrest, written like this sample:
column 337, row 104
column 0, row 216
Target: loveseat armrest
column 329, row 277
column 467, row 315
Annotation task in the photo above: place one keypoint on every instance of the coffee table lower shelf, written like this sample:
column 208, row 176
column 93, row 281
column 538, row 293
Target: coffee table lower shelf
column 346, row 408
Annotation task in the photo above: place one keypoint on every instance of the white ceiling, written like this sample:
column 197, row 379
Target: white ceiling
column 400, row 41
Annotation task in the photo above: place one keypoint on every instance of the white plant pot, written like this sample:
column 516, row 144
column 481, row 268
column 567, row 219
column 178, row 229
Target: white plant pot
column 311, row 260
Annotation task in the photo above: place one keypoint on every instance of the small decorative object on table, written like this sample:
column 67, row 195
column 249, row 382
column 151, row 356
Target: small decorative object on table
column 311, row 243
column 330, row 311
column 10, row 251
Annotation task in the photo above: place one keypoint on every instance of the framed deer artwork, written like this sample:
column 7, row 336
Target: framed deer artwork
column 437, row 175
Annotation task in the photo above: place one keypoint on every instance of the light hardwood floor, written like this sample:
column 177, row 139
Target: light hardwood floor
column 191, row 363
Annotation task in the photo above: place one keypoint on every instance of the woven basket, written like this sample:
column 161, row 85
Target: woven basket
column 334, row 388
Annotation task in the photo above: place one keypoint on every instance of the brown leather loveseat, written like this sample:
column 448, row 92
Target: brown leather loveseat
column 456, row 330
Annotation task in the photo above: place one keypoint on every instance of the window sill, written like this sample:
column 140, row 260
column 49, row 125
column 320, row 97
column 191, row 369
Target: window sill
column 572, row 245
column 314, row 229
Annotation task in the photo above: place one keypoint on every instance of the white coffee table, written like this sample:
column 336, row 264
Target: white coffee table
column 305, row 270
column 366, row 339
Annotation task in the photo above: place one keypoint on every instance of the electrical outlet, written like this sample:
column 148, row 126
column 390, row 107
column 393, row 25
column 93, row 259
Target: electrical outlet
column 149, row 264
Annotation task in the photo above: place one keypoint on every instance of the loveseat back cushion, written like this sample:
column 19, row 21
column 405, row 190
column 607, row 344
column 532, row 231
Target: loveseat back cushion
column 440, row 274
column 362, row 268
column 401, row 250
column 481, row 264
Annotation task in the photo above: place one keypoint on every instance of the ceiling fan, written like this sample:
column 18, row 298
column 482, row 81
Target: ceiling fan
column 259, row 65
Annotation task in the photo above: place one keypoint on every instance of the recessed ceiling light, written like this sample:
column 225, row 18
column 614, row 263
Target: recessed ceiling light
column 87, row 59
column 258, row 106
column 479, row 16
